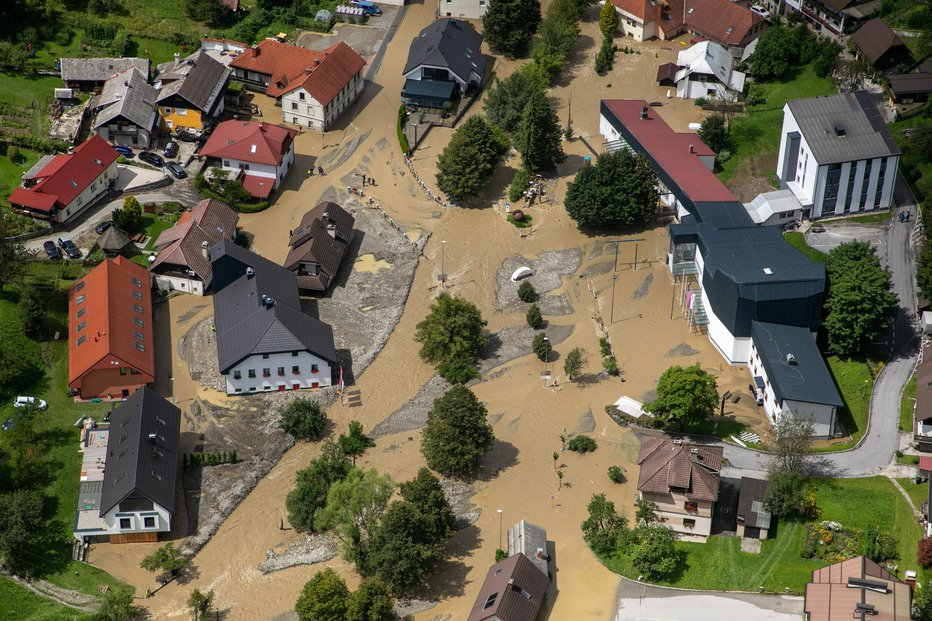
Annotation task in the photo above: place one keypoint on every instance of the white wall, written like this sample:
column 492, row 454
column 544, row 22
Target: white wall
column 90, row 193
column 260, row 170
column 821, row 416
column 163, row 521
column 305, row 378
column 694, row 89
column 176, row 283
column 310, row 113
column 110, row 133
column 464, row 9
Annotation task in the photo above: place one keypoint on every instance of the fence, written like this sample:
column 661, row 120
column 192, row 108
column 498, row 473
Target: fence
column 423, row 185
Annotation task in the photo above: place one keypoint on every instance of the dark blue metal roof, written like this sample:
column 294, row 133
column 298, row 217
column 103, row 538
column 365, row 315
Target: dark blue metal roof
column 807, row 379
column 431, row 89
column 722, row 213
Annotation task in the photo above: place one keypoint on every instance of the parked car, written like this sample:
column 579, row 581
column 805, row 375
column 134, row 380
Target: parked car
column 52, row 250
column 368, row 7
column 176, row 169
column 103, row 226
column 760, row 11
column 21, row 402
column 125, row 151
column 171, row 149
column 69, row 247
column 151, row 158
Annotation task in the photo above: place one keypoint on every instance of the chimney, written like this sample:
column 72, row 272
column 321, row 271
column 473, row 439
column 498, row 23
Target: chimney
column 791, row 359
column 177, row 56
column 250, row 273
column 316, row 61
column 332, row 230
column 205, row 250
column 692, row 149
column 257, row 51
column 644, row 113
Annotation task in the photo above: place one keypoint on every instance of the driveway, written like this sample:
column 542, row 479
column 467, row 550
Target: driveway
column 641, row 602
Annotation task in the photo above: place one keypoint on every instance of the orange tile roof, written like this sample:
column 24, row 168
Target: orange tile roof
column 107, row 295
column 641, row 9
column 720, row 20
column 282, row 61
column 334, row 72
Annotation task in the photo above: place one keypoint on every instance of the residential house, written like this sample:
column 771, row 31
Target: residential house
column 110, row 337
column 754, row 521
column 463, row 9
column 190, row 91
column 125, row 110
column 259, row 154
column 444, row 60
column 837, row 155
column 317, row 98
column 878, row 45
column 730, row 24
column 67, row 184
column 513, row 590
column 908, row 91
column 182, row 260
column 531, row 541
column 129, row 472
column 318, row 245
column 264, row 340
column 836, row 17
column 791, row 377
column 702, row 71
column 271, row 66
column 682, row 479
column 922, row 410
column 88, row 74
column 856, row 588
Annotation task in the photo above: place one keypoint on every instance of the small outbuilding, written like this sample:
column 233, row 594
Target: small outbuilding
column 113, row 242
column 753, row 517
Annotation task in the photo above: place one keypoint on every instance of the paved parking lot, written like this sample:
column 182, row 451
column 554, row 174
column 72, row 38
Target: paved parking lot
column 706, row 608
column 837, row 234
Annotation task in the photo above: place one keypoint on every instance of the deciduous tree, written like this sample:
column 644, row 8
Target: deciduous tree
column 508, row 25
column 303, row 419
column 312, row 485
column 372, row 601
column 355, row 442
column 534, row 317
column 572, row 366
column 324, row 598
column 117, row 605
column 539, row 136
column 653, row 552
column 541, row 346
column 354, row 506
column 168, row 558
column 685, row 395
column 714, row 133
column 470, row 157
column 201, row 604
column 425, row 492
column 21, row 526
column 506, row 100
column 451, row 337
column 13, row 256
column 619, row 190
column 457, row 435
column 604, row 527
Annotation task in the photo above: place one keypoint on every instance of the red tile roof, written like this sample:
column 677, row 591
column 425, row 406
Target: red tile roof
column 108, row 295
column 258, row 187
column 328, row 78
column 66, row 176
column 285, row 63
column 641, row 9
column 722, row 20
column 690, row 467
column 249, row 141
column 670, row 150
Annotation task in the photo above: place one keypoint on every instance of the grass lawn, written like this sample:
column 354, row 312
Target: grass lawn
column 10, row 173
column 20, row 604
column 907, row 403
column 153, row 226
column 23, row 90
column 855, row 503
column 855, row 383
column 908, row 460
column 918, row 492
column 870, row 218
column 758, row 131
column 798, row 241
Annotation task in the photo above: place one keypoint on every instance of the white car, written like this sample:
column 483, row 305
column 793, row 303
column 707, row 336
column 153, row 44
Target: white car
column 22, row 402
column 760, row 11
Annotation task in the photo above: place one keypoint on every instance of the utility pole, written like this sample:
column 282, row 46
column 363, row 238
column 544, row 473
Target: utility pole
column 546, row 359
column 614, row 280
column 626, row 241
column 443, row 274
column 500, row 522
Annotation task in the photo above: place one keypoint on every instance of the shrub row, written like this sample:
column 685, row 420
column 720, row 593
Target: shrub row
column 208, row 459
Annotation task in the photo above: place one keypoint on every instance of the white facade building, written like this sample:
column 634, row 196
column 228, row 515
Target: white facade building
column 705, row 70
column 300, row 107
column 463, row 9
column 279, row 371
column 836, row 155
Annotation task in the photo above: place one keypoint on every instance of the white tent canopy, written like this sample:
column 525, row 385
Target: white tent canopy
column 631, row 407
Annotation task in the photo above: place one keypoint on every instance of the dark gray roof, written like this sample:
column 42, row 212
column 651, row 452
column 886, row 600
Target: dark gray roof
column 722, row 213
column 142, row 451
column 502, row 595
column 99, row 69
column 198, row 79
column 428, row 88
column 449, row 43
column 311, row 242
column 808, row 380
column 843, row 128
column 127, row 95
column 751, row 509
column 245, row 326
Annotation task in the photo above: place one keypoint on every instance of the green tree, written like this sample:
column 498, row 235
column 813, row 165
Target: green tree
column 13, row 256
column 312, row 484
column 451, row 337
column 653, row 552
column 541, row 346
column 129, row 217
column 324, row 598
column 774, row 55
column 539, row 135
column 32, row 313
column 553, row 44
column 372, row 601
column 355, row 442
column 605, row 57
column 534, row 317
column 619, row 190
column 212, row 12
column 608, row 20
column 572, row 366
column 645, row 511
column 924, row 269
column 922, row 601
column 26, row 445
column 470, row 157
column 117, row 605
column 201, row 604
column 603, row 529
column 354, row 506
column 508, row 25
column 527, row 292
column 714, row 133
column 426, row 494
column 168, row 558
column 21, row 527
column 685, row 395
column 785, row 495
column 303, row 419
column 582, row 444
column 457, row 435
column 791, row 449
column 506, row 100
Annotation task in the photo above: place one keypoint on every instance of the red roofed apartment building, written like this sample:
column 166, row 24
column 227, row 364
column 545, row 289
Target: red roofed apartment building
column 60, row 187
column 110, row 348
column 721, row 21
column 319, row 95
column 258, row 154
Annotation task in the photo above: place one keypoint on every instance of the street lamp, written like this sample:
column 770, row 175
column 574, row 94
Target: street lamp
column 443, row 274
column 414, row 146
column 500, row 522
column 546, row 358
column 614, row 280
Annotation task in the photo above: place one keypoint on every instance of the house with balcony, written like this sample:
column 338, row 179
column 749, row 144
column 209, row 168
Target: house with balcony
column 319, row 244
column 110, row 338
column 727, row 23
column 256, row 153
column 683, row 480
column 326, row 89
column 879, row 46
column 836, row 17
column 129, row 470
column 182, row 259
column 837, row 155
column 61, row 187
column 704, row 70
column 265, row 342
column 190, row 91
column 125, row 110
column 89, row 74
column 271, row 67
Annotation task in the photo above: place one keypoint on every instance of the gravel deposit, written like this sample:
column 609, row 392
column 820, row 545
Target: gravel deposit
column 549, row 269
column 413, row 414
column 512, row 343
column 305, row 551
column 585, row 424
column 683, row 349
column 643, row 288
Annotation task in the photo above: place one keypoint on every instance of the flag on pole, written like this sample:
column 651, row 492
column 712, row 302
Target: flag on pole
column 340, row 385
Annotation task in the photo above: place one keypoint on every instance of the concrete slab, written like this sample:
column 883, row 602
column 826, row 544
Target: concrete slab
column 700, row 608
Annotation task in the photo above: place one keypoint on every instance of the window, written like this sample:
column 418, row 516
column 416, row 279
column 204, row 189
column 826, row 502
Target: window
column 294, row 354
column 139, row 322
column 137, row 308
column 81, row 339
column 168, row 110
column 301, row 96
column 266, row 372
column 81, row 326
column 133, row 372
column 168, row 124
column 137, row 295
column 137, row 282
column 79, row 286
column 314, row 368
column 265, row 356
column 294, row 105
column 295, row 370
column 126, row 523
column 139, row 335
column 139, row 346
column 237, row 374
column 490, row 601
column 251, row 373
column 181, row 111
column 226, row 163
column 148, row 521
column 122, row 370
column 80, row 299
column 281, row 370
column 689, row 522
column 81, row 312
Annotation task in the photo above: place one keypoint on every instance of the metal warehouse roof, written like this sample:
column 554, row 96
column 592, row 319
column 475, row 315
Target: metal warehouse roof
column 807, row 379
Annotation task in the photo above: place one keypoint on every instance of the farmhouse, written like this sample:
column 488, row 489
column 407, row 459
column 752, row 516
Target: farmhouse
column 110, row 337
column 318, row 245
column 191, row 91
column 317, row 97
column 88, row 74
column 727, row 23
column 259, row 154
column 264, row 341
column 704, row 70
column 833, row 16
column 128, row 472
column 879, row 46
column 126, row 110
